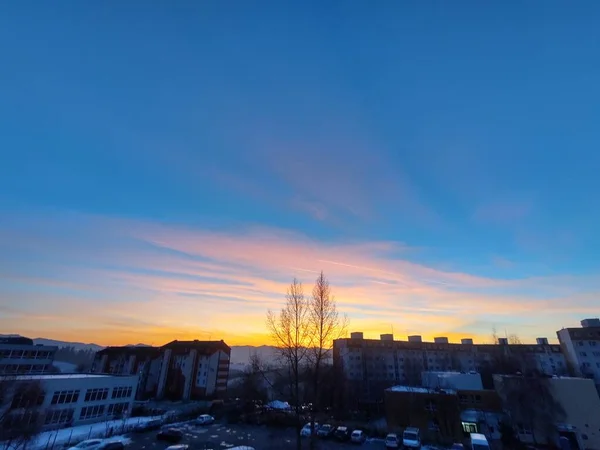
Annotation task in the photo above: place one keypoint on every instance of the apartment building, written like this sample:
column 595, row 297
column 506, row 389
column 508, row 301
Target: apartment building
column 581, row 347
column 18, row 355
column 179, row 370
column 369, row 366
column 70, row 399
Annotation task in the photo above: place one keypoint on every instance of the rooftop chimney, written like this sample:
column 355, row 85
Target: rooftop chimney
column 440, row 340
column 542, row 341
column 585, row 323
column 466, row 341
column 387, row 337
column 415, row 338
column 356, row 335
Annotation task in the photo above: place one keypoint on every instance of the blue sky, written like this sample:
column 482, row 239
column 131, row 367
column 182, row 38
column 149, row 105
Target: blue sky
column 457, row 142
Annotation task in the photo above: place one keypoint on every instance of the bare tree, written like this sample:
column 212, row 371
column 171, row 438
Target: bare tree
column 530, row 404
column 290, row 332
column 514, row 339
column 20, row 403
column 326, row 325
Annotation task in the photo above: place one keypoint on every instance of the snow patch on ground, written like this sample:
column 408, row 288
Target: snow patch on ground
column 71, row 436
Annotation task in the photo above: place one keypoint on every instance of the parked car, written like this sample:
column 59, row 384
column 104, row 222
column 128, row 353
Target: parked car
column 153, row 424
column 358, row 437
column 342, row 433
column 305, row 431
column 392, row 441
column 170, row 435
column 89, row 444
column 479, row 442
column 177, row 447
column 457, row 446
column 205, row 419
column 411, row 438
column 325, row 431
column 111, row 445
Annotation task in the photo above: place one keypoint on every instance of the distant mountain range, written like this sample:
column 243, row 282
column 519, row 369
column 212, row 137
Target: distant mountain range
column 240, row 354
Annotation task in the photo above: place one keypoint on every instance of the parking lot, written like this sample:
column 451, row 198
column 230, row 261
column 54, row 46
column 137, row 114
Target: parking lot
column 221, row 437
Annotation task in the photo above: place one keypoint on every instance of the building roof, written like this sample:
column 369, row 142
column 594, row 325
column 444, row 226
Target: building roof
column 195, row 344
column 54, row 376
column 15, row 340
column 130, row 350
column 421, row 390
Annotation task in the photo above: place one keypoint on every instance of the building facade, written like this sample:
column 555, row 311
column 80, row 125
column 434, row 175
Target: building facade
column 369, row 366
column 179, row 370
column 581, row 347
column 573, row 417
column 443, row 415
column 18, row 355
column 70, row 399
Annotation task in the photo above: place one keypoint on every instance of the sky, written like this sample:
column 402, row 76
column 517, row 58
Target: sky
column 167, row 168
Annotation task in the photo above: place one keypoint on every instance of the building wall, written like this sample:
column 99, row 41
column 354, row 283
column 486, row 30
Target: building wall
column 368, row 366
column 180, row 370
column 578, row 413
column 582, row 349
column 580, row 401
column 81, row 399
column 26, row 359
column 436, row 414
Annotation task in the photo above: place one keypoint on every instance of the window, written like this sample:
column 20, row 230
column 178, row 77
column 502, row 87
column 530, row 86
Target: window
column 596, row 354
column 478, row 398
column 118, row 408
column 62, row 397
column 93, row 395
column 91, row 412
column 430, row 405
column 463, row 398
column 469, row 427
column 58, row 416
column 27, row 399
column 580, row 343
column 593, row 343
column 122, row 392
column 584, row 354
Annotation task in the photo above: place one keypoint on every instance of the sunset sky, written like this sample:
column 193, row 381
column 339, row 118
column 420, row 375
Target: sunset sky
column 167, row 168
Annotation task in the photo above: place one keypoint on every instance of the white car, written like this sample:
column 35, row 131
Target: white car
column 90, row 444
column 305, row 431
column 392, row 441
column 358, row 437
column 411, row 438
column 205, row 419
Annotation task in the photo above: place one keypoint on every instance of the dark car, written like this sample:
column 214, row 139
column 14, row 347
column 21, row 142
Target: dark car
column 325, row 431
column 342, row 433
column 147, row 426
column 170, row 435
column 113, row 445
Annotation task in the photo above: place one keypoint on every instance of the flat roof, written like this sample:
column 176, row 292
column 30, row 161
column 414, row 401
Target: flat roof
column 421, row 390
column 60, row 376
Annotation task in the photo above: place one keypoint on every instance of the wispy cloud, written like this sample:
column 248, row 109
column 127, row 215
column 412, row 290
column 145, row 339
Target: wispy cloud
column 505, row 212
column 100, row 274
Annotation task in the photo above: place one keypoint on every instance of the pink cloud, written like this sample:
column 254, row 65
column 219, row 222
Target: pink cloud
column 193, row 279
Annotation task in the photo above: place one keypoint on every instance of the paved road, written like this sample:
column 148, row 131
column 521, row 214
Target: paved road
column 221, row 437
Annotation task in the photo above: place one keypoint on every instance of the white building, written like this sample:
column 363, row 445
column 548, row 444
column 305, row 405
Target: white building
column 75, row 399
column 581, row 347
column 18, row 355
